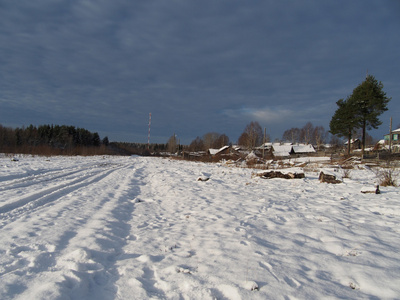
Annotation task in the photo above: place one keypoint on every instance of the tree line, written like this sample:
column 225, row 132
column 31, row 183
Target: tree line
column 253, row 136
column 31, row 138
column 67, row 140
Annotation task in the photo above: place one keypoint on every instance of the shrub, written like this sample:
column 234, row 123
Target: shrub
column 346, row 173
column 388, row 176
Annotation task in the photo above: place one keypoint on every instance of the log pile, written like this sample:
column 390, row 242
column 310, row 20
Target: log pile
column 328, row 178
column 277, row 174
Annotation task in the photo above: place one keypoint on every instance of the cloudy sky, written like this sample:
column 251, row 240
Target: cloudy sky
column 197, row 66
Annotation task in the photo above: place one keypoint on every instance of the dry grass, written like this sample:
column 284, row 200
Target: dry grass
column 387, row 176
column 346, row 173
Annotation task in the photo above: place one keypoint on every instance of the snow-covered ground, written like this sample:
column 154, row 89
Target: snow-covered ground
column 146, row 228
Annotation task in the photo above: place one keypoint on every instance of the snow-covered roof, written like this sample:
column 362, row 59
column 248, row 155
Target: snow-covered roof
column 287, row 148
column 396, row 131
column 301, row 148
column 216, row 151
column 213, row 151
column 264, row 146
column 236, row 147
column 251, row 155
column 327, row 145
column 351, row 141
column 281, row 150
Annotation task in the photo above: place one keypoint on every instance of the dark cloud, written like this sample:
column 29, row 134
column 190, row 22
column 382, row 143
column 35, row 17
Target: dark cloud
column 198, row 66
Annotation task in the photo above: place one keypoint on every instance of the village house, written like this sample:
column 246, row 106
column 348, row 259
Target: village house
column 354, row 144
column 303, row 149
column 287, row 149
column 395, row 139
column 282, row 150
column 225, row 150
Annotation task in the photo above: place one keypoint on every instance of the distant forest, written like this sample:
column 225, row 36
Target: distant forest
column 66, row 140
column 71, row 140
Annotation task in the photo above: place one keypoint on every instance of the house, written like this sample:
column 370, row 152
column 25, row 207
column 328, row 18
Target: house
column 354, row 143
column 303, row 149
column 395, row 138
column 287, row 149
column 223, row 150
column 283, row 150
column 265, row 146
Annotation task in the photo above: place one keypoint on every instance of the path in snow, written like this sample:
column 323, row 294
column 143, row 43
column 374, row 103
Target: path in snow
column 137, row 228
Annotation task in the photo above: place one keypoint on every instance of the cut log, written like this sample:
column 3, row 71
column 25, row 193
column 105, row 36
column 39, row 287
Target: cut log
column 203, row 178
column 376, row 191
column 328, row 178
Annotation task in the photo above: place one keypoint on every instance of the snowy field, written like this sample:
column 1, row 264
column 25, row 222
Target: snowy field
column 146, row 228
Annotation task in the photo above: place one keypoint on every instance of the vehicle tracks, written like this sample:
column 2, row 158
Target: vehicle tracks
column 54, row 188
column 71, row 233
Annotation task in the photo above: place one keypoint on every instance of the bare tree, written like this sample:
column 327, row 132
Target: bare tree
column 209, row 139
column 197, row 145
column 243, row 138
column 252, row 136
column 319, row 136
column 221, row 141
column 172, row 144
column 307, row 133
column 292, row 135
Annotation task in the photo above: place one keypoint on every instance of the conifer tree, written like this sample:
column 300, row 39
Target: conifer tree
column 360, row 110
column 343, row 122
column 370, row 101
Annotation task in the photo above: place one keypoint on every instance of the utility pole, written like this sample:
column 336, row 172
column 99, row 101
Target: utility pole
column 390, row 136
column 148, row 137
column 265, row 133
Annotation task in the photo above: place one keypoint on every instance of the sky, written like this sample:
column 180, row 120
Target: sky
column 196, row 66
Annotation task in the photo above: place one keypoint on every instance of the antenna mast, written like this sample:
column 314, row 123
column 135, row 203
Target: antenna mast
column 148, row 137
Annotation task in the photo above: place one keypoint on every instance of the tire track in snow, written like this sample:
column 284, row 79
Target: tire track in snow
column 31, row 203
column 84, row 260
column 25, row 256
column 44, row 176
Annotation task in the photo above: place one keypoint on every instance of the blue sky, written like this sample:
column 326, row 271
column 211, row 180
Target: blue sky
column 197, row 66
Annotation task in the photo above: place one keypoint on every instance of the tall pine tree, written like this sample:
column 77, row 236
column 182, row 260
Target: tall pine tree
column 370, row 101
column 360, row 110
column 343, row 122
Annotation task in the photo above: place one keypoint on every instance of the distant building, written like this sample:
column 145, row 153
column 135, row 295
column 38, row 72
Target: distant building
column 287, row 149
column 225, row 150
column 354, row 144
column 284, row 150
column 303, row 149
column 395, row 138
